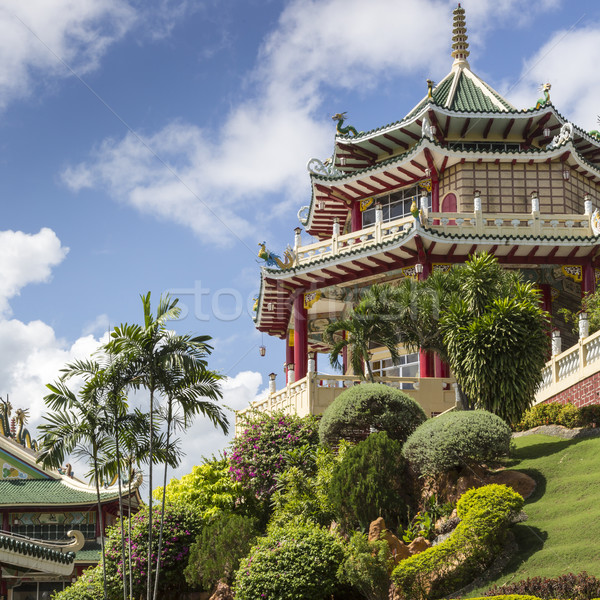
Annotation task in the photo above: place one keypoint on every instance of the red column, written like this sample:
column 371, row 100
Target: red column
column 588, row 282
column 300, row 338
column 289, row 352
column 356, row 222
column 435, row 194
column 426, row 359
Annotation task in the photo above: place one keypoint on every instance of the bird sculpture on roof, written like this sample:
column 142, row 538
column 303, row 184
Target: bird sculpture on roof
column 274, row 260
column 340, row 118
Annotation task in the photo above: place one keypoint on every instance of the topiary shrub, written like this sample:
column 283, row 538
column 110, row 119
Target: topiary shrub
column 551, row 413
column 362, row 408
column 456, row 438
column 290, row 563
column 368, row 483
column 569, row 586
column 485, row 513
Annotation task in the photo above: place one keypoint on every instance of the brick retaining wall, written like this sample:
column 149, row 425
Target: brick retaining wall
column 581, row 394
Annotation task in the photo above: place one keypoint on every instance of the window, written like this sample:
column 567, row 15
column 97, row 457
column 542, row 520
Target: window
column 395, row 206
column 408, row 366
column 490, row 146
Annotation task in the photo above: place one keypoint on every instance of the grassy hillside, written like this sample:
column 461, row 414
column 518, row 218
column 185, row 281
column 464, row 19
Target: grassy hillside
column 562, row 534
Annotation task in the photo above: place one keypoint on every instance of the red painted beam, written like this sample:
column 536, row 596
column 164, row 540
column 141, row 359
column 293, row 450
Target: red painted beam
column 508, row 128
column 387, row 136
column 465, row 128
column 486, row 131
column 382, row 146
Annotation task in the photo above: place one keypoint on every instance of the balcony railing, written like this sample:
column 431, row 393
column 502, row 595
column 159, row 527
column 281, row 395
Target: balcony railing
column 315, row 392
column 569, row 367
column 472, row 223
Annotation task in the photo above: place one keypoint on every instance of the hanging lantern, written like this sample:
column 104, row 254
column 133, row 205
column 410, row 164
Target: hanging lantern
column 262, row 350
column 566, row 174
column 546, row 131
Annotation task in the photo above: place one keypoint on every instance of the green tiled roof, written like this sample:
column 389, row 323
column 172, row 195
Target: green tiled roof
column 45, row 491
column 90, row 552
column 469, row 97
column 440, row 94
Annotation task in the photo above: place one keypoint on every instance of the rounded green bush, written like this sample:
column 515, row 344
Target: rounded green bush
column 367, row 407
column 456, row 438
column 289, row 563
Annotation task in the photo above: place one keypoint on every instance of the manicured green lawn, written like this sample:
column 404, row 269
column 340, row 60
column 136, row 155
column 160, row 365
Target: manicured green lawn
column 562, row 533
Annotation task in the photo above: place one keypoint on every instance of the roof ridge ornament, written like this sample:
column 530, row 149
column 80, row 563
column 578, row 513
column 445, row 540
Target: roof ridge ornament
column 460, row 44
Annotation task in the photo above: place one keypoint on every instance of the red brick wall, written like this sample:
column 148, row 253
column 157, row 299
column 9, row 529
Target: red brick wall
column 581, row 394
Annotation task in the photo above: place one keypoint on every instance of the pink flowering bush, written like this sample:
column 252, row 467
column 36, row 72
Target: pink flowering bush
column 269, row 445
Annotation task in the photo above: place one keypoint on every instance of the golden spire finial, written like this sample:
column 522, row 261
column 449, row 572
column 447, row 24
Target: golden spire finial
column 460, row 44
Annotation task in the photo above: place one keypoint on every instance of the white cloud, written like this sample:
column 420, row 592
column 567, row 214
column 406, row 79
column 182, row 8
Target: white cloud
column 37, row 35
column 566, row 61
column 26, row 258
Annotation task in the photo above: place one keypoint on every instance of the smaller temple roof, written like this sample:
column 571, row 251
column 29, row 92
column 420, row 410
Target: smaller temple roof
column 38, row 492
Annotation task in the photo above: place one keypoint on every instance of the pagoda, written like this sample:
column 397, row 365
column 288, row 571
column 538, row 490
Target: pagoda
column 463, row 172
column 50, row 527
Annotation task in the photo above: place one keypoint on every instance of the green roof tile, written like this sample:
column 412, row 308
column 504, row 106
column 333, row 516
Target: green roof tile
column 440, row 94
column 469, row 97
column 45, row 491
column 90, row 552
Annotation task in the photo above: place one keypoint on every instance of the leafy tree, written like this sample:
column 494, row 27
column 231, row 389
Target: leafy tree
column 495, row 334
column 369, row 483
column 210, row 490
column 367, row 325
column 217, row 552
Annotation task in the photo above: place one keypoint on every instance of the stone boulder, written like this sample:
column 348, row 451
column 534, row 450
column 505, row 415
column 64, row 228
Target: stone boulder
column 223, row 592
column 418, row 545
column 398, row 549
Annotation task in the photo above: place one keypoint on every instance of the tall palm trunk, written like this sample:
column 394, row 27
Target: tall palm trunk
column 164, row 491
column 121, row 514
column 129, row 531
column 151, row 450
column 101, row 522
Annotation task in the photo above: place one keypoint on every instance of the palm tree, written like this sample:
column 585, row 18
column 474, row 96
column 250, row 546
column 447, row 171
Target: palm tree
column 158, row 358
column 193, row 391
column 77, row 427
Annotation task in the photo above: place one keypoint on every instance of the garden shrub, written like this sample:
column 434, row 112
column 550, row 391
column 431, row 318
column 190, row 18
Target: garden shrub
column 552, row 413
column 218, row 549
column 290, row 563
column 367, row 566
column 486, row 513
column 508, row 597
column 87, row 587
column 457, row 438
column 267, row 447
column 569, row 586
column 369, row 483
column 300, row 497
column 590, row 415
column 367, row 407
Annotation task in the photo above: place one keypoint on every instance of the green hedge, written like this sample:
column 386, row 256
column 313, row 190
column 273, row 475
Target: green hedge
column 486, row 513
column 457, row 438
column 367, row 407
column 291, row 563
column 555, row 413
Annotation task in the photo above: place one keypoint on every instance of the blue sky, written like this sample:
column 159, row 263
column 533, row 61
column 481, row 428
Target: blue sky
column 152, row 145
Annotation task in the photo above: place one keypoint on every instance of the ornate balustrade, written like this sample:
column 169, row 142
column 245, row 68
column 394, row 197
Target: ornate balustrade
column 315, row 392
column 472, row 223
column 569, row 367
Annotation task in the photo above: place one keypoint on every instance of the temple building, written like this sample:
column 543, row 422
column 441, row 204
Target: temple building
column 50, row 529
column 463, row 172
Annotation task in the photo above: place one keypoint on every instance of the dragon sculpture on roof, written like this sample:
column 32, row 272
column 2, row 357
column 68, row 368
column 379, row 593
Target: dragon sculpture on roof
column 274, row 260
column 22, row 435
column 545, row 87
column 340, row 118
